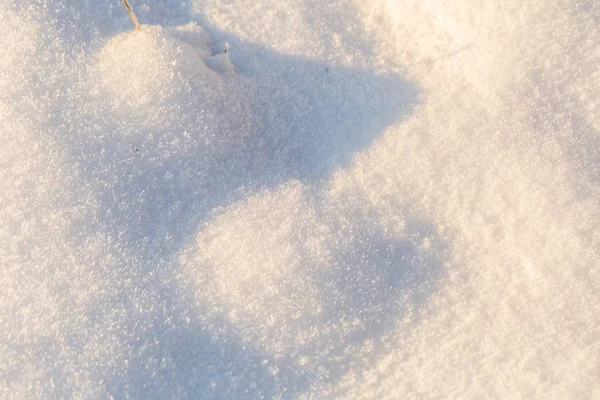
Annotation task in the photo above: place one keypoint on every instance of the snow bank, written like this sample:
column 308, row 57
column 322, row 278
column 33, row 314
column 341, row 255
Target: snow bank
column 293, row 199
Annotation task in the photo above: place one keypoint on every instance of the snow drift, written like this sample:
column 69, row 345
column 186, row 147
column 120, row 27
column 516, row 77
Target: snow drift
column 355, row 199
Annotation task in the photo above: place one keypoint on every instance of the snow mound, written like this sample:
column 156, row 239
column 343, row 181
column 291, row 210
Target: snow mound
column 311, row 279
column 152, row 74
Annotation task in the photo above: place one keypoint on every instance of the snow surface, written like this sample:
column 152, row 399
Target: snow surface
column 300, row 199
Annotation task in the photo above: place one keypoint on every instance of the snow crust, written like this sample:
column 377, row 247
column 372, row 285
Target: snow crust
column 298, row 199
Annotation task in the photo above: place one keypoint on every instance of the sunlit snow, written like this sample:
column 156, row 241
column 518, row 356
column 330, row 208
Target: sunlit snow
column 300, row 199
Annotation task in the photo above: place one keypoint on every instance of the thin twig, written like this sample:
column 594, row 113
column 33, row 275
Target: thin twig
column 132, row 15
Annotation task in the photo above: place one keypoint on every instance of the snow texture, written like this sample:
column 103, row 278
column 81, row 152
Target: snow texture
column 360, row 199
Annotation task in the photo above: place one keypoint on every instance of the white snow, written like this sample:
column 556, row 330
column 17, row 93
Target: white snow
column 300, row 199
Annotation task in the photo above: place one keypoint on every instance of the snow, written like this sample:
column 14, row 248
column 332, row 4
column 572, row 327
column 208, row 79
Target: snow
column 298, row 199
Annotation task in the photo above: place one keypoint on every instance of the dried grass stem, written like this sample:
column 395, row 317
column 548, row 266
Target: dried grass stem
column 132, row 15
